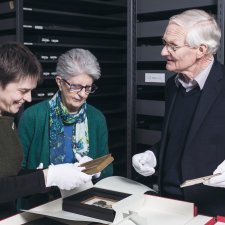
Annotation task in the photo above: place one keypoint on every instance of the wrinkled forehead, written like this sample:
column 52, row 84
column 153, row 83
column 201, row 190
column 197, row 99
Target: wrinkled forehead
column 174, row 32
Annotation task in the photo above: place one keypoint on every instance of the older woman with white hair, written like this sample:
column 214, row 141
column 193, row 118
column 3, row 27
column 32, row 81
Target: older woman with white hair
column 66, row 129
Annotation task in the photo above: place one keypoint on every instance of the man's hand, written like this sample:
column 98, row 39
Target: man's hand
column 218, row 181
column 144, row 163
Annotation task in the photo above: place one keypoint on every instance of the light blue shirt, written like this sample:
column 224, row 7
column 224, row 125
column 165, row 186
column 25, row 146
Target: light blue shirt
column 199, row 80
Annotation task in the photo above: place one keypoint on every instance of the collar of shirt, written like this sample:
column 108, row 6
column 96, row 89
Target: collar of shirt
column 199, row 80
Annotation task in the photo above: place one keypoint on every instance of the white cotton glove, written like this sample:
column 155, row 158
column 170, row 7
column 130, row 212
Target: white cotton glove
column 40, row 167
column 66, row 176
column 144, row 163
column 218, row 181
column 85, row 159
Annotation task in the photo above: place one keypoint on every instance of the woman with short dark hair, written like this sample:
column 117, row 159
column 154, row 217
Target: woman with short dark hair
column 19, row 73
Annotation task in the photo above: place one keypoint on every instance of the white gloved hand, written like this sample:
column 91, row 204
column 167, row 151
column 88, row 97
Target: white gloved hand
column 66, row 176
column 144, row 163
column 217, row 181
column 85, row 159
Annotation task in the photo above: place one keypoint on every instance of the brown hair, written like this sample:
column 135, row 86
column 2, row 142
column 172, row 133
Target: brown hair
column 18, row 62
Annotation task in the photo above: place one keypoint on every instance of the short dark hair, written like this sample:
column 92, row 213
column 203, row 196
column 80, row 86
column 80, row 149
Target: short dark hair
column 18, row 62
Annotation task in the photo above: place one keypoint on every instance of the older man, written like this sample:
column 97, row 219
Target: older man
column 193, row 137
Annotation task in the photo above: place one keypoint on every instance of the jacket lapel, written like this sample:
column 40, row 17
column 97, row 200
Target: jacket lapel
column 210, row 91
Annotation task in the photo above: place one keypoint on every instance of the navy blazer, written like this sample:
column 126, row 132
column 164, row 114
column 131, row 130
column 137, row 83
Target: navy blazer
column 204, row 149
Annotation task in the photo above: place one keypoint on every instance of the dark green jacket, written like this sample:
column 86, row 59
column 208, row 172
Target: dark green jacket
column 34, row 135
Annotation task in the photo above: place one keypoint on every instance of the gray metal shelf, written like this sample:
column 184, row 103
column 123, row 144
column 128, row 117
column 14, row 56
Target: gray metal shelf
column 87, row 6
column 149, row 53
column 65, row 17
column 154, row 6
column 145, row 29
column 148, row 137
column 7, row 7
column 150, row 107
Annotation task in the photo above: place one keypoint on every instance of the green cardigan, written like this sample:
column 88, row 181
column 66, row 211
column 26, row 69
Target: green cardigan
column 34, row 135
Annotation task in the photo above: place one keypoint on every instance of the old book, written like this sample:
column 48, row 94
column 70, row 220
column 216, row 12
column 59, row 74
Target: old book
column 97, row 165
column 197, row 180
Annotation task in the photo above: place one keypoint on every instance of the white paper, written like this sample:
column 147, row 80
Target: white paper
column 199, row 220
column 146, row 209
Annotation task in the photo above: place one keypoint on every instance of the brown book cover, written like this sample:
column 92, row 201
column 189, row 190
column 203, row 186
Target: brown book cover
column 97, row 165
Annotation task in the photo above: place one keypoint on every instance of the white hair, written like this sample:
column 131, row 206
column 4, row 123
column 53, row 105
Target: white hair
column 78, row 61
column 201, row 28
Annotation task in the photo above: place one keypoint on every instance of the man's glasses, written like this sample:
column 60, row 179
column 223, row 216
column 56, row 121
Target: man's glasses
column 78, row 87
column 172, row 47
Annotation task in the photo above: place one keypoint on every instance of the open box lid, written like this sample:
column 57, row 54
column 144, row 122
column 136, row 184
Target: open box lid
column 147, row 209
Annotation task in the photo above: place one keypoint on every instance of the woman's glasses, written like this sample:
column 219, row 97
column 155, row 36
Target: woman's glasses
column 78, row 87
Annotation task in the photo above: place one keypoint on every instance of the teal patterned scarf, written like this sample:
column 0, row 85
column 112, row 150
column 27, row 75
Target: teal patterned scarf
column 60, row 117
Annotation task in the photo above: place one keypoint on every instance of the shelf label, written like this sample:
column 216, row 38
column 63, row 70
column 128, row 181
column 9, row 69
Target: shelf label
column 45, row 57
column 28, row 43
column 28, row 9
column 40, row 94
column 49, row 94
column 55, row 40
column 46, row 73
column 155, row 77
column 53, row 57
column 53, row 73
column 27, row 26
column 38, row 27
column 45, row 40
